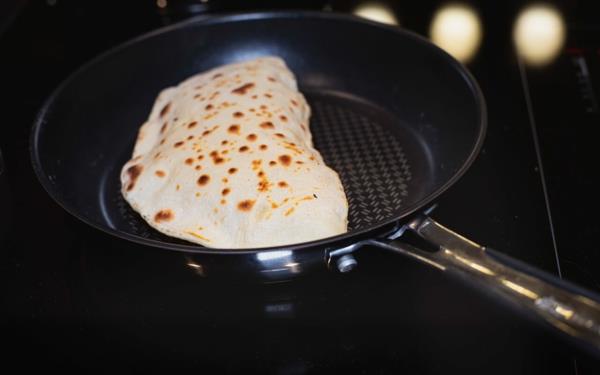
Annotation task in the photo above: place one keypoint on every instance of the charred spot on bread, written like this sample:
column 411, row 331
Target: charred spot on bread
column 164, row 215
column 243, row 89
column 263, row 185
column 286, row 160
column 246, row 205
column 203, row 180
column 134, row 172
column 165, row 109
column 267, row 125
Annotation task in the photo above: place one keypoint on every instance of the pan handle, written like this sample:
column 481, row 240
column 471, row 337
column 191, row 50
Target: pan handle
column 564, row 306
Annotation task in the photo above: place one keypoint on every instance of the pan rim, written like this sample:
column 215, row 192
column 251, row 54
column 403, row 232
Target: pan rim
column 46, row 182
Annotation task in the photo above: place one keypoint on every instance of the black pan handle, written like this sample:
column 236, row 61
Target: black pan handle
column 564, row 306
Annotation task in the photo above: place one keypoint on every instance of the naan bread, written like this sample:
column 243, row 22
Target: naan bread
column 226, row 160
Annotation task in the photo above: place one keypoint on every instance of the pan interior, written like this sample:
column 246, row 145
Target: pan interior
column 381, row 163
column 396, row 118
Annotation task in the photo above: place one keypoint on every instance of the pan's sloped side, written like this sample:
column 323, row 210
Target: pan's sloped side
column 428, row 102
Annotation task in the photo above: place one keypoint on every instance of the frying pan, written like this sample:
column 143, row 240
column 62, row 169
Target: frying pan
column 395, row 116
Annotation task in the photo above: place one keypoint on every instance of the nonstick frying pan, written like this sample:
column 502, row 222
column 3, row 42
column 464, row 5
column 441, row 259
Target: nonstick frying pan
column 395, row 116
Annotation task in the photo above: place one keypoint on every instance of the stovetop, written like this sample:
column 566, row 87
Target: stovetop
column 78, row 299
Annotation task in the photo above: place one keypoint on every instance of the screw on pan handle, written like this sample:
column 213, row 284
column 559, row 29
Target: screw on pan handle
column 346, row 263
column 342, row 258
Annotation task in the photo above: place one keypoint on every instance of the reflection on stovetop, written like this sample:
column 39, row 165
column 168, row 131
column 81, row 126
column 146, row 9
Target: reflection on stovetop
column 80, row 299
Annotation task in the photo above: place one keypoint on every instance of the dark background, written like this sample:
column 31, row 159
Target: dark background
column 76, row 299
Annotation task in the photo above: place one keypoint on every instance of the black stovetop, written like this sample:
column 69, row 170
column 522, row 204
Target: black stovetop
column 78, row 299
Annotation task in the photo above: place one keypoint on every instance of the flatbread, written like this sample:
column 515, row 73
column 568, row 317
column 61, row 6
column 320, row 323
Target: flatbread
column 226, row 160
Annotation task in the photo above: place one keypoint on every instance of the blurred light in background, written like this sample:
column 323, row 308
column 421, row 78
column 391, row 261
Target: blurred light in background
column 456, row 28
column 376, row 12
column 539, row 34
column 161, row 3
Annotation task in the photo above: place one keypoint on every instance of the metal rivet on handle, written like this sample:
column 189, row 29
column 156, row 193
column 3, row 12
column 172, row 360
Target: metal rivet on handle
column 346, row 263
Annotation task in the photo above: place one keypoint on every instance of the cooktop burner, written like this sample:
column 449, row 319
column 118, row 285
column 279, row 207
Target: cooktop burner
column 78, row 299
